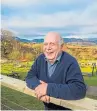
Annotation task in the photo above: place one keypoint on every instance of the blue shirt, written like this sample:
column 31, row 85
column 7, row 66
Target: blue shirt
column 52, row 67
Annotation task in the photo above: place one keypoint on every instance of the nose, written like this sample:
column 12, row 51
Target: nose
column 49, row 47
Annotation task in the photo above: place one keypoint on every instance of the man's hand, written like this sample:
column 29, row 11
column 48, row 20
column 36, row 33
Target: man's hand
column 41, row 89
column 45, row 99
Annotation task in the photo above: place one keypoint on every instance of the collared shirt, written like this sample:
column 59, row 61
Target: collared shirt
column 51, row 67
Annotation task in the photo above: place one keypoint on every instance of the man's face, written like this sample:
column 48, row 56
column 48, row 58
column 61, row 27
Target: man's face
column 51, row 47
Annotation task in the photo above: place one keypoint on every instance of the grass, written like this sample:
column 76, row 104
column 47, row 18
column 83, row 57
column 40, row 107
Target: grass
column 19, row 101
column 92, row 97
column 91, row 81
column 23, row 67
column 14, row 100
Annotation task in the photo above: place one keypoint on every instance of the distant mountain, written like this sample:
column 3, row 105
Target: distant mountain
column 94, row 40
column 37, row 40
column 66, row 40
column 22, row 40
column 26, row 40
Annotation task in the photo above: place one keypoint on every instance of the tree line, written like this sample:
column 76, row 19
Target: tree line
column 12, row 49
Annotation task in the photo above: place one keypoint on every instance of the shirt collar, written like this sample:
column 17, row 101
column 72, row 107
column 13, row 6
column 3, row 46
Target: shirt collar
column 59, row 57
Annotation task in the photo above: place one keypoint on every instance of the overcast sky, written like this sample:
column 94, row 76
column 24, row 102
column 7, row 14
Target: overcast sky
column 34, row 18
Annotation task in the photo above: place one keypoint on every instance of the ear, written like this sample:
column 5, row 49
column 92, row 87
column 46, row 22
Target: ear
column 62, row 46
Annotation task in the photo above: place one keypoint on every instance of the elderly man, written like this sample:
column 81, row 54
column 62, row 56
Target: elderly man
column 55, row 73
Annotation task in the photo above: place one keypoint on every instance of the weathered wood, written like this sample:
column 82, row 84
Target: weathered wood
column 86, row 103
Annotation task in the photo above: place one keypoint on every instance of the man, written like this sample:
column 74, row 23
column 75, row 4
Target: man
column 55, row 74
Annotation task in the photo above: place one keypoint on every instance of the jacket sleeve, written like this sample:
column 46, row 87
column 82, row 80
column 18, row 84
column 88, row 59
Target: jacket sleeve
column 31, row 79
column 73, row 89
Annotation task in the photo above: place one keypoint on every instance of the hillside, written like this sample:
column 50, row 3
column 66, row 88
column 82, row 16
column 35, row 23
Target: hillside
column 82, row 52
column 26, row 50
column 88, row 41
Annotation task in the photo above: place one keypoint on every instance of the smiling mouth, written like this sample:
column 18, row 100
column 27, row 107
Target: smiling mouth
column 49, row 52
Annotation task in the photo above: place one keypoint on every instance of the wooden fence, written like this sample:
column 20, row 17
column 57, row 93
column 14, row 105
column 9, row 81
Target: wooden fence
column 86, row 103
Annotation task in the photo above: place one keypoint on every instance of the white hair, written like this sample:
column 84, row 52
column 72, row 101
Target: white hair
column 61, row 41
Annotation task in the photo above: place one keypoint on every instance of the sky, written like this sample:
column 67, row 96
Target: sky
column 35, row 18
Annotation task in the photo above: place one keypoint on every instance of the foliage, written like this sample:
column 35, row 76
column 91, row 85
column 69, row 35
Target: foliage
column 6, row 47
column 21, row 68
column 12, row 49
column 29, row 56
column 82, row 53
column 14, row 55
column 6, row 34
column 8, row 43
column 30, row 51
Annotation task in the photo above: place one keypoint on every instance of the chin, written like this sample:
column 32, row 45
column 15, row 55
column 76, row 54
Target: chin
column 50, row 58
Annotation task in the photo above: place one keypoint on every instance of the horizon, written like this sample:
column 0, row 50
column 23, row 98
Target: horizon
column 42, row 37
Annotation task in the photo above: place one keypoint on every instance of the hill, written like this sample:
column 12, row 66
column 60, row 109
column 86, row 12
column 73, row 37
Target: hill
column 22, row 40
column 15, row 48
column 88, row 41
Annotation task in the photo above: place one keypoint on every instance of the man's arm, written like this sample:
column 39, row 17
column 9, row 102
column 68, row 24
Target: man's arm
column 33, row 82
column 31, row 78
column 73, row 89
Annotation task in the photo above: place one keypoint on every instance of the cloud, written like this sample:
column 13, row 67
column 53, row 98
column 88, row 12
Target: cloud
column 18, row 3
column 59, row 19
column 22, row 3
column 89, row 30
column 83, row 21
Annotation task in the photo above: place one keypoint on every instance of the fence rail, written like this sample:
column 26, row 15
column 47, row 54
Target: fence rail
column 86, row 103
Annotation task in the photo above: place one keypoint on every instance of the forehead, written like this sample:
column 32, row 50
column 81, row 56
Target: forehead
column 52, row 38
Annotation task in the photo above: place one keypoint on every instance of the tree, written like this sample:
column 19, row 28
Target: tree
column 6, row 44
column 14, row 55
column 30, row 56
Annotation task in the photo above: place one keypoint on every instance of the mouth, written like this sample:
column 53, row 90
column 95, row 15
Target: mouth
column 49, row 53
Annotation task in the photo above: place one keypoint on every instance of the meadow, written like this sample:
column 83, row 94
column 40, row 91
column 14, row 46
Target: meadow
column 14, row 100
column 23, row 67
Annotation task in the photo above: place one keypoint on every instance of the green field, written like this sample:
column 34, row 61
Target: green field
column 12, row 99
column 15, row 100
column 23, row 67
column 91, row 81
